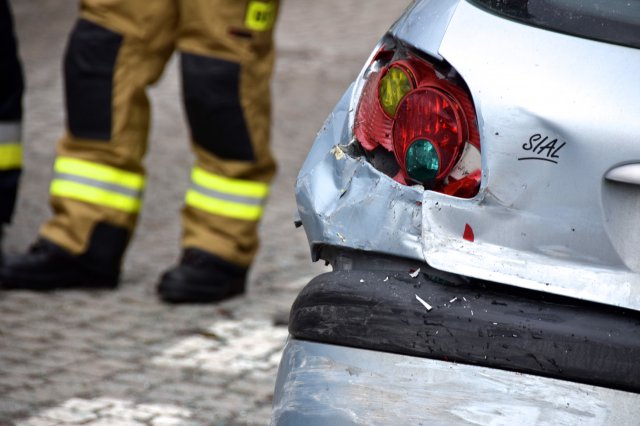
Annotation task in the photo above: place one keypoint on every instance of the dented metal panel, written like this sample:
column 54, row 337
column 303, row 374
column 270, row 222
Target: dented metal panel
column 344, row 201
column 321, row 384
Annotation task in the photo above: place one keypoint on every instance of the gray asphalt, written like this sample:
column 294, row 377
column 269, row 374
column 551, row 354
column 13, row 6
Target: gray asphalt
column 122, row 357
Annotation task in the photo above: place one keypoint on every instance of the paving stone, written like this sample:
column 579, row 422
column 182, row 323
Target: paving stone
column 164, row 409
column 141, row 336
column 60, row 387
column 114, row 421
column 11, row 380
column 131, row 414
column 214, row 380
column 9, row 355
column 100, row 368
column 253, row 389
column 12, row 407
column 256, row 417
column 69, row 416
column 26, row 344
column 227, row 404
column 115, row 389
column 173, row 421
column 174, row 393
column 37, row 421
column 168, row 374
column 138, row 379
column 93, row 405
column 40, row 395
column 34, row 369
column 62, row 357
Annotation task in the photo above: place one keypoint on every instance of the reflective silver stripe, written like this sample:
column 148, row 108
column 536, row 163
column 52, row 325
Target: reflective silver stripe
column 98, row 184
column 10, row 132
column 250, row 201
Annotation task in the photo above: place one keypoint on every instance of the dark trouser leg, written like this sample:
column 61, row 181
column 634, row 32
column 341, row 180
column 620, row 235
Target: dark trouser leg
column 11, row 91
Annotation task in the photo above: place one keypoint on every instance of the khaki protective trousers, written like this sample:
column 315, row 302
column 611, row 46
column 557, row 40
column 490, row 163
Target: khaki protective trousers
column 116, row 50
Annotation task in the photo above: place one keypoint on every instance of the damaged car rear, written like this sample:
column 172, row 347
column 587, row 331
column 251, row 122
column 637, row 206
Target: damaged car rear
column 477, row 193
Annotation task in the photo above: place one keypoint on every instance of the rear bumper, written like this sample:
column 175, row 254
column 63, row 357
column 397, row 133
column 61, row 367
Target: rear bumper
column 322, row 384
column 471, row 322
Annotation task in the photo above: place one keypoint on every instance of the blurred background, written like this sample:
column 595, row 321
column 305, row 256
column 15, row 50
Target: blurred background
column 124, row 358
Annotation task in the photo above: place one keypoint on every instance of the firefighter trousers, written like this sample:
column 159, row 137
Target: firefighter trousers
column 115, row 51
column 11, row 90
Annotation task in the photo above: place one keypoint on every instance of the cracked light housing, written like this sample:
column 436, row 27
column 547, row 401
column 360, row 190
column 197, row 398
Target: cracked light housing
column 421, row 112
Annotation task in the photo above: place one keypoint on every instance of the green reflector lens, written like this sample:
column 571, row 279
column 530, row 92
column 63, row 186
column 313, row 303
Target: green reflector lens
column 393, row 87
column 422, row 161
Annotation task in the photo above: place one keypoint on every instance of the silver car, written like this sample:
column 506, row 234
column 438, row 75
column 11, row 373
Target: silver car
column 476, row 191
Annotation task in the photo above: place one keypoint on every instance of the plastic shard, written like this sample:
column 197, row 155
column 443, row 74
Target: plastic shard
column 468, row 233
column 425, row 304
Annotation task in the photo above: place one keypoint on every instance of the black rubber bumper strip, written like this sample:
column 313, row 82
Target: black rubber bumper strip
column 477, row 323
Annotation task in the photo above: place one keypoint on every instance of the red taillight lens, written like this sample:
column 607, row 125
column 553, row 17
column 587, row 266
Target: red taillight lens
column 373, row 126
column 426, row 119
column 428, row 114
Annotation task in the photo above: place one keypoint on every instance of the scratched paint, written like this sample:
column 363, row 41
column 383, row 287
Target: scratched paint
column 359, row 387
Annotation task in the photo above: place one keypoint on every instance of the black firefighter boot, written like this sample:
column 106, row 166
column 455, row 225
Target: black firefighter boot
column 201, row 277
column 48, row 266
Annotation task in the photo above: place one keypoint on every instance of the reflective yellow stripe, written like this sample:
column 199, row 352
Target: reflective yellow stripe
column 10, row 156
column 239, row 199
column 91, row 194
column 242, row 188
column 222, row 207
column 260, row 15
column 99, row 172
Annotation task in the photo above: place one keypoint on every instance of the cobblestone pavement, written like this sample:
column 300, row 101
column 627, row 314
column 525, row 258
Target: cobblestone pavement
column 122, row 357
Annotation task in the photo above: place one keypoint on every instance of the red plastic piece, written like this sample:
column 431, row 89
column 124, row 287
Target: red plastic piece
column 468, row 233
column 467, row 187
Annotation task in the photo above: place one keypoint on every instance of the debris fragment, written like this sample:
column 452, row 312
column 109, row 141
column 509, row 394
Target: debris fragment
column 337, row 152
column 425, row 304
column 468, row 233
column 415, row 273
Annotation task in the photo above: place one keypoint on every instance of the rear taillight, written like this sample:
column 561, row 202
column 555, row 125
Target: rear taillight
column 424, row 115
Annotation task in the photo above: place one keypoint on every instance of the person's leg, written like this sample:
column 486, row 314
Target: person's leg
column 116, row 49
column 227, row 59
column 11, row 91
